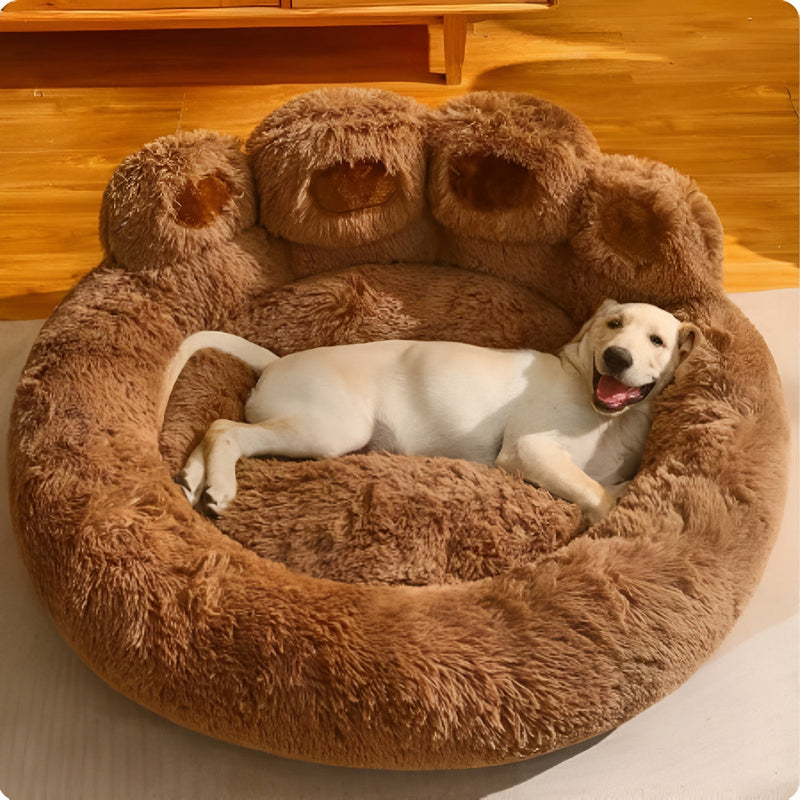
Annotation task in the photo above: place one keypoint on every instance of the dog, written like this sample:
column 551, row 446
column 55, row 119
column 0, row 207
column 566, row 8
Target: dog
column 574, row 423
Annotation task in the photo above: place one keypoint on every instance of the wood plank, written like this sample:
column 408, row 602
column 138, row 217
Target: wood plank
column 130, row 5
column 19, row 18
column 456, row 6
column 746, row 270
column 710, row 89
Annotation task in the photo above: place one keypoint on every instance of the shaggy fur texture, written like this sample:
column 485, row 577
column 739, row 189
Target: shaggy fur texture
column 375, row 610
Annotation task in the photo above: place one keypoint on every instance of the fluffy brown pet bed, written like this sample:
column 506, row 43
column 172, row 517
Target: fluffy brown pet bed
column 377, row 610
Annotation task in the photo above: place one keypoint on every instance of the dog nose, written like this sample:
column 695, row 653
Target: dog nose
column 617, row 359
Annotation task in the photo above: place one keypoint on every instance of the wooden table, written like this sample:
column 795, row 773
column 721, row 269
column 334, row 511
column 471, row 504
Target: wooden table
column 77, row 15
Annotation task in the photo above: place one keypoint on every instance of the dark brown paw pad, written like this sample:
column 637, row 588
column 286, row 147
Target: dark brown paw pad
column 345, row 188
column 198, row 203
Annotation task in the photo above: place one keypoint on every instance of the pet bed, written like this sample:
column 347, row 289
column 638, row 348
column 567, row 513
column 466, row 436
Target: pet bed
column 379, row 610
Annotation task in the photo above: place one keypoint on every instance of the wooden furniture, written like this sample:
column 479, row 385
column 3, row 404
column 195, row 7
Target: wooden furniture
column 453, row 17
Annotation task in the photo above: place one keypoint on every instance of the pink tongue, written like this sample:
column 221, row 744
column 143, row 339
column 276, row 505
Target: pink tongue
column 613, row 393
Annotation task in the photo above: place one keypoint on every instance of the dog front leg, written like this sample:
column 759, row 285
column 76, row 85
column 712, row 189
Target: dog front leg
column 544, row 462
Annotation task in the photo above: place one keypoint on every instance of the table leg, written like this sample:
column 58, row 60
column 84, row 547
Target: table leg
column 455, row 40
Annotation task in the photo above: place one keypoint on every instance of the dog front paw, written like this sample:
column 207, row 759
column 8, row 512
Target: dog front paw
column 618, row 489
column 608, row 499
column 602, row 509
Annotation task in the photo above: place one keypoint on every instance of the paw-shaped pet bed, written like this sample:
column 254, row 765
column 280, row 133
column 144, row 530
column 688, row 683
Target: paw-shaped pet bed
column 377, row 610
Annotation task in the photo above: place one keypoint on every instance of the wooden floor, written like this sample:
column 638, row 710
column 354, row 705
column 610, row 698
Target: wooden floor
column 709, row 87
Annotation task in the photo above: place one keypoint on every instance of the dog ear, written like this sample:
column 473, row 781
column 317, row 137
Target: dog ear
column 688, row 336
column 577, row 350
column 605, row 307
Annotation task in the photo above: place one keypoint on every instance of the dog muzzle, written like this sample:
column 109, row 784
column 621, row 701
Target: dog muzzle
column 611, row 395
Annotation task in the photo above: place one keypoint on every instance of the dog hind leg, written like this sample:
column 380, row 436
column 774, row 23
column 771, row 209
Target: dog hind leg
column 311, row 436
column 192, row 478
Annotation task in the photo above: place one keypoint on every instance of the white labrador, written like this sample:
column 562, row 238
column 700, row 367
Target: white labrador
column 573, row 423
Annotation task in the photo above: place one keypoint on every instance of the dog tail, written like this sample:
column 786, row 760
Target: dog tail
column 255, row 356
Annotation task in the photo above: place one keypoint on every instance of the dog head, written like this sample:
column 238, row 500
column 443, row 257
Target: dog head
column 628, row 352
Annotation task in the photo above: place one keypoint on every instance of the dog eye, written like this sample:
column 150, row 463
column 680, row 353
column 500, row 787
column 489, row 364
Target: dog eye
column 614, row 323
column 657, row 340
